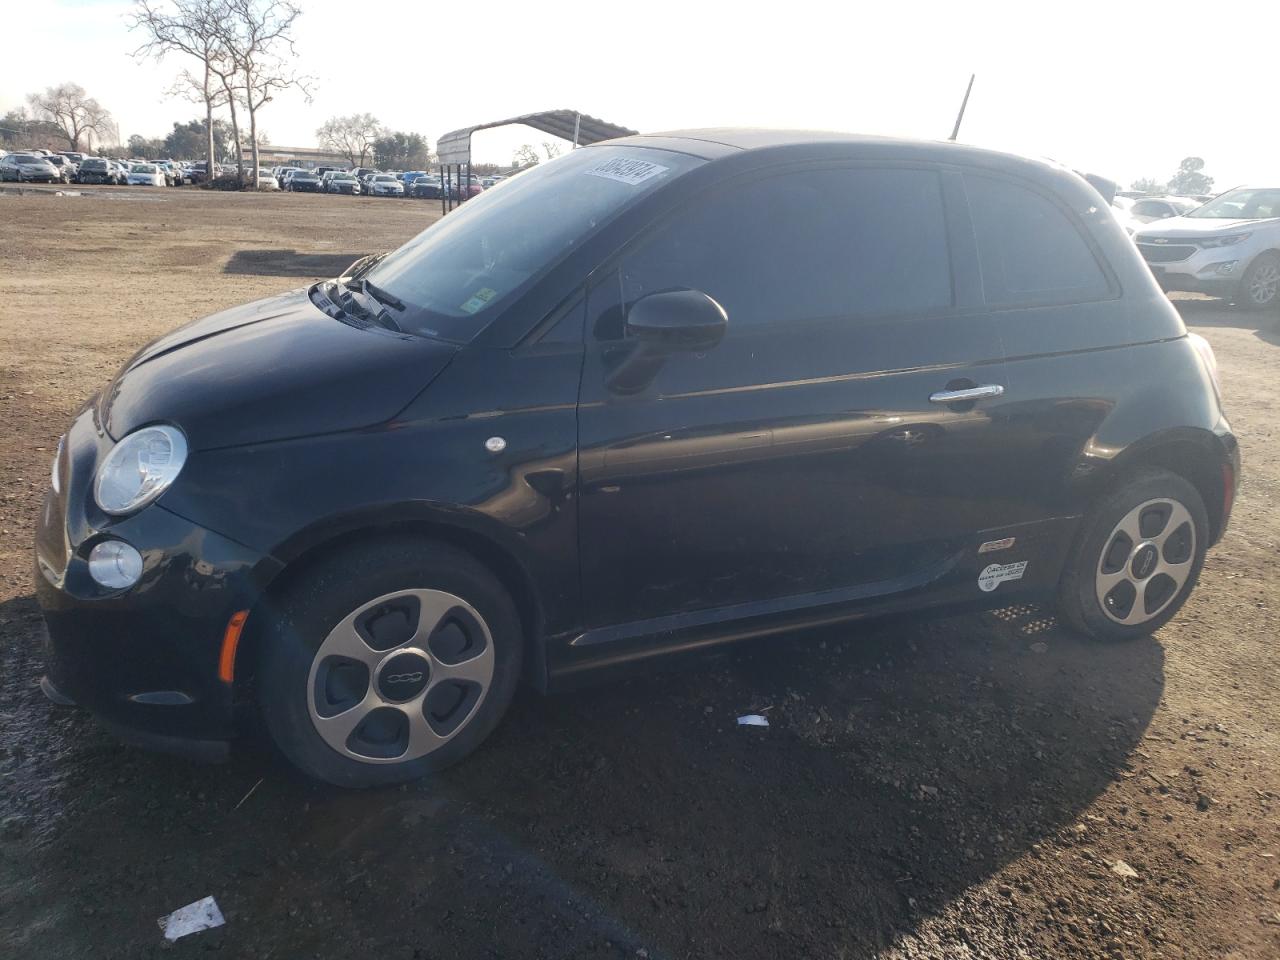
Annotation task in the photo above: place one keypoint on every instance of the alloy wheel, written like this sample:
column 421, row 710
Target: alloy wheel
column 1146, row 561
column 400, row 676
column 1264, row 283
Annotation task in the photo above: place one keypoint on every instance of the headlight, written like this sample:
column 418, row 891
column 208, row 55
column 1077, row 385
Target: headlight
column 140, row 468
column 57, row 465
column 1227, row 241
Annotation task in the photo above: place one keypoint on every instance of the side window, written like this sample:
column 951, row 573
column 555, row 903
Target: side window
column 1031, row 253
column 836, row 242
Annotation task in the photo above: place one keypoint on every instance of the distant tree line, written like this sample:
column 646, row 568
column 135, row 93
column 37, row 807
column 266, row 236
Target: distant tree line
column 1189, row 181
column 362, row 139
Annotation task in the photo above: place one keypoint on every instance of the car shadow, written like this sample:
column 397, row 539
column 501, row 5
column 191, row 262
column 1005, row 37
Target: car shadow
column 1218, row 313
column 903, row 763
column 289, row 263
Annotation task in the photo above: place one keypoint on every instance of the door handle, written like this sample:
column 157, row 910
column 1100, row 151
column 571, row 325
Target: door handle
column 984, row 392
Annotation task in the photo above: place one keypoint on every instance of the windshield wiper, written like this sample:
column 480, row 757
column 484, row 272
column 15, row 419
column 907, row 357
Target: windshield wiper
column 383, row 297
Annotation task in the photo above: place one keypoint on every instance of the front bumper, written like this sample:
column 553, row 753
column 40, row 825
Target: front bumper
column 144, row 660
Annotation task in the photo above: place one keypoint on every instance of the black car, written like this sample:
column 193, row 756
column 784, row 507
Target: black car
column 303, row 181
column 427, row 187
column 663, row 393
column 96, row 170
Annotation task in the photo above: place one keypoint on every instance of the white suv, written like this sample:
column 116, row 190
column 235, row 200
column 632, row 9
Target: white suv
column 1230, row 247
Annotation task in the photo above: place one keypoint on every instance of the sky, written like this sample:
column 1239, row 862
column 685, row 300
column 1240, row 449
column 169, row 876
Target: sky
column 1125, row 88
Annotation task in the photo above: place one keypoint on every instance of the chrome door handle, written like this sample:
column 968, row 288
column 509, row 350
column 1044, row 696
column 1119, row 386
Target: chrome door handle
column 983, row 392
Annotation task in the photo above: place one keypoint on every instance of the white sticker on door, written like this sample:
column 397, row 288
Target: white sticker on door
column 997, row 573
column 626, row 170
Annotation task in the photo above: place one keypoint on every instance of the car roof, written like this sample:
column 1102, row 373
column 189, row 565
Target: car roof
column 711, row 143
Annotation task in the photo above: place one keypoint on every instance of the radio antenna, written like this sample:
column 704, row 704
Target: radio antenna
column 955, row 131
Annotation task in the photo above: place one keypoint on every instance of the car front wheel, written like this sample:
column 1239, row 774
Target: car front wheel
column 389, row 661
column 1137, row 557
column 1260, row 286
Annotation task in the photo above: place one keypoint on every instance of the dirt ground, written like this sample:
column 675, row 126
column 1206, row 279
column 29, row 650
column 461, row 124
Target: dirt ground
column 961, row 788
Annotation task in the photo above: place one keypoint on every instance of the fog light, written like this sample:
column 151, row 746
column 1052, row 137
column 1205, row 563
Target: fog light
column 115, row 565
column 1221, row 269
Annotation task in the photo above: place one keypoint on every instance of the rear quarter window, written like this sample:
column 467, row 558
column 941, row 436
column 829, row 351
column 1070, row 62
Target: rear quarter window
column 1031, row 251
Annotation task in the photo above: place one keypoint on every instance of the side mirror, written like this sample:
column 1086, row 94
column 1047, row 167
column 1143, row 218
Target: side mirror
column 677, row 320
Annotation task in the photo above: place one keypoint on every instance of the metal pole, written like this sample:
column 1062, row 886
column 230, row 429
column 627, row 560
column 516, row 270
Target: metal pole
column 955, row 131
column 577, row 125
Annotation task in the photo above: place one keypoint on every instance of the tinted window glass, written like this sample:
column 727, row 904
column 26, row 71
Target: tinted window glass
column 1031, row 252
column 824, row 243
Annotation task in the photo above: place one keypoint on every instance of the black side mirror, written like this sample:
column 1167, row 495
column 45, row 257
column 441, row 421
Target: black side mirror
column 674, row 321
column 677, row 320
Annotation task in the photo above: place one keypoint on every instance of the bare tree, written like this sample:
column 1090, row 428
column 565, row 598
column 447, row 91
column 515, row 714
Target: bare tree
column 525, row 156
column 354, row 136
column 190, row 27
column 255, row 35
column 551, row 149
column 75, row 113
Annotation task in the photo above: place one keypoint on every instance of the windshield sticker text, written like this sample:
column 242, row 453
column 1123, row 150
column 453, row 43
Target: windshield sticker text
column 478, row 300
column 625, row 170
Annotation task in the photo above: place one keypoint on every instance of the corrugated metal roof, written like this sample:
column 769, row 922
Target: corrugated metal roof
column 455, row 146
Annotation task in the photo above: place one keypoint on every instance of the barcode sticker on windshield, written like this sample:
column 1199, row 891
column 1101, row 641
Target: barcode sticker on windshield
column 625, row 170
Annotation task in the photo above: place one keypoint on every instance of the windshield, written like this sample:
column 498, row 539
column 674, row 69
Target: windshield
column 304, row 175
column 26, row 158
column 143, row 168
column 385, row 179
column 341, row 176
column 455, row 275
column 1244, row 204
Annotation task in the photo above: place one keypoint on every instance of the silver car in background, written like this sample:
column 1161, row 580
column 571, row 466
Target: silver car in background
column 1230, row 247
column 28, row 168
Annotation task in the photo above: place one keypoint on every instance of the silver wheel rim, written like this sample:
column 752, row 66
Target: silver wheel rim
column 1264, row 282
column 1145, row 562
column 400, row 716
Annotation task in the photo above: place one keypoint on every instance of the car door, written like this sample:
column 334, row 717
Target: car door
column 815, row 452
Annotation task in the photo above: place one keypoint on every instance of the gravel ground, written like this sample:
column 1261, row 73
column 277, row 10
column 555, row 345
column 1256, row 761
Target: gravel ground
column 961, row 788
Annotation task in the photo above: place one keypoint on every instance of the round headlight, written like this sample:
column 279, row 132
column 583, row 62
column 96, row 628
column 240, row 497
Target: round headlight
column 115, row 565
column 139, row 469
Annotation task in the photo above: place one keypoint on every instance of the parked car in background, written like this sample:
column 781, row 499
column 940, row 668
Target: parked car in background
column 427, row 187
column 361, row 172
column 383, row 185
column 145, row 175
column 304, row 181
column 74, row 156
column 409, row 177
column 1229, row 247
column 1147, row 209
column 198, row 172
column 29, row 168
column 266, row 181
column 66, row 169
column 120, row 170
column 339, row 181
column 95, row 170
column 369, row 508
column 1122, row 209
column 282, row 174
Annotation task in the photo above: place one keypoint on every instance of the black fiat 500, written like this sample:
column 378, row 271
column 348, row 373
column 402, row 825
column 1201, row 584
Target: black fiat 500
column 658, row 394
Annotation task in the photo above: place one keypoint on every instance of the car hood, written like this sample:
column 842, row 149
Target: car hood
column 1189, row 227
column 270, row 370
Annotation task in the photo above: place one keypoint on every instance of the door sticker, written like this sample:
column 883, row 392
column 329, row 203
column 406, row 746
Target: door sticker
column 997, row 573
column 625, row 170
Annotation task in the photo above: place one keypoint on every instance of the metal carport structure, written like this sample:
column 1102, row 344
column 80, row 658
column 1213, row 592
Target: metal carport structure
column 454, row 148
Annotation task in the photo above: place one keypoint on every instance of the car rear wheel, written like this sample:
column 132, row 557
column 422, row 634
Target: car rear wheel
column 389, row 661
column 1137, row 558
column 1260, row 285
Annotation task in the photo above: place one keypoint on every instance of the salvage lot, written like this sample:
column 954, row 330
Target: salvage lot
column 962, row 787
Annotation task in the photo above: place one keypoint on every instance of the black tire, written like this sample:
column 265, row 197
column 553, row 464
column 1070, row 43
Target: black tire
column 1260, row 285
column 331, row 590
column 1078, row 592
